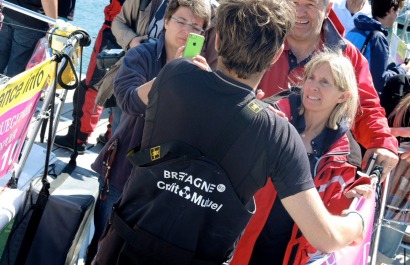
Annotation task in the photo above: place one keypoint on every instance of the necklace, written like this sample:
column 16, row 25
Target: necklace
column 303, row 135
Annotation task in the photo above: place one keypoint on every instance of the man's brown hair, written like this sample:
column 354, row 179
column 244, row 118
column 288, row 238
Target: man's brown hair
column 251, row 32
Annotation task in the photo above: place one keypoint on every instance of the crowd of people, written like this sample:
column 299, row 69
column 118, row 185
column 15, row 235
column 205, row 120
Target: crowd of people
column 282, row 204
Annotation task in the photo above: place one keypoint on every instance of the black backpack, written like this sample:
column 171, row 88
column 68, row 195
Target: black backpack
column 178, row 206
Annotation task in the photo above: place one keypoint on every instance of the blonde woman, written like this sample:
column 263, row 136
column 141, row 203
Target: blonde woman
column 322, row 114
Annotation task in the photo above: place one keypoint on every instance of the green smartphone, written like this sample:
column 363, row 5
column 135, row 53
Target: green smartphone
column 193, row 46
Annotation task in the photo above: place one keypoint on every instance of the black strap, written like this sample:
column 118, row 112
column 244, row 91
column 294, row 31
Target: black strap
column 44, row 193
column 366, row 42
column 156, row 154
column 251, row 108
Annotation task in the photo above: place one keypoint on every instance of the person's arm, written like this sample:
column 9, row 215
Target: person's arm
column 371, row 128
column 144, row 90
column 402, row 168
column 135, row 70
column 378, row 61
column 325, row 232
column 400, row 131
column 50, row 8
column 395, row 69
column 123, row 23
column 402, row 68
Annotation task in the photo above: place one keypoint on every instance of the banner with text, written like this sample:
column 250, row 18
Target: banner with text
column 18, row 101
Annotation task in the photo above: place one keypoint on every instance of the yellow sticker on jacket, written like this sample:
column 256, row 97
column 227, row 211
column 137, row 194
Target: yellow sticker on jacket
column 155, row 153
column 254, row 106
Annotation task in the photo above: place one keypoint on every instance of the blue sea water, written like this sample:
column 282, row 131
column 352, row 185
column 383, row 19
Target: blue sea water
column 89, row 15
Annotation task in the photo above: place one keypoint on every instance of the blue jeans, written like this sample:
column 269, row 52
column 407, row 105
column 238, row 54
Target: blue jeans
column 16, row 47
column 390, row 239
column 116, row 111
column 102, row 214
column 103, row 209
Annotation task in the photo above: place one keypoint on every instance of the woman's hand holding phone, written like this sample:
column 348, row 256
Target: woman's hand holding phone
column 192, row 50
column 201, row 62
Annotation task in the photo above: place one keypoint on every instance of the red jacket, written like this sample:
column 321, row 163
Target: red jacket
column 333, row 177
column 112, row 10
column 371, row 128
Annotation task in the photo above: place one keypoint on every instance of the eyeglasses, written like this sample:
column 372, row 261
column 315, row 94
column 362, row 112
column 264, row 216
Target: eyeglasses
column 182, row 23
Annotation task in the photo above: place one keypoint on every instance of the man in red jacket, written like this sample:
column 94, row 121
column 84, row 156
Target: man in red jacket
column 317, row 26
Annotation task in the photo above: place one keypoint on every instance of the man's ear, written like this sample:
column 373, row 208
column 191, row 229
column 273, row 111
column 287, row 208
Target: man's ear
column 282, row 47
column 217, row 41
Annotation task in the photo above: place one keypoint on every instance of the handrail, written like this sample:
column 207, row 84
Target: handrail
column 28, row 12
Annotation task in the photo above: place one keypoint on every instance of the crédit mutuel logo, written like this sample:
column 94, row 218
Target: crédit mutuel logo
column 183, row 184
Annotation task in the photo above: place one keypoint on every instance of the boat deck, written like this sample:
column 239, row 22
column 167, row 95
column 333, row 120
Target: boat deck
column 86, row 159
